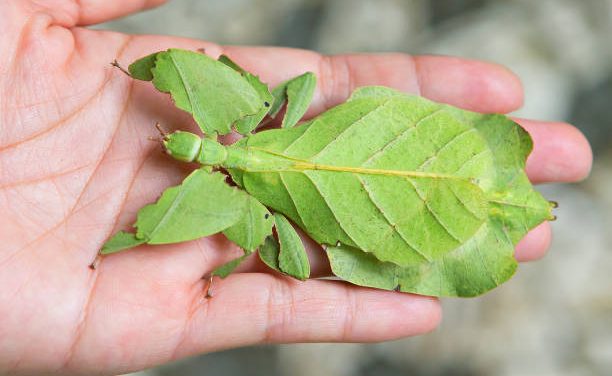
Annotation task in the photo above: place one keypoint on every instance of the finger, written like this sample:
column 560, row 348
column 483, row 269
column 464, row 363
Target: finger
column 469, row 84
column 97, row 11
column 258, row 308
column 87, row 12
column 535, row 244
column 319, row 264
column 561, row 153
column 532, row 247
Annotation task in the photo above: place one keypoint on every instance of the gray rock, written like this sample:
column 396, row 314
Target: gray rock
column 555, row 46
column 221, row 21
column 363, row 25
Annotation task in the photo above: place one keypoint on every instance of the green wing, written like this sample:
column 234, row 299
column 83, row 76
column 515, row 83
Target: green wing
column 486, row 260
column 437, row 194
column 297, row 93
column 203, row 204
column 400, row 217
column 253, row 228
column 204, row 87
column 249, row 123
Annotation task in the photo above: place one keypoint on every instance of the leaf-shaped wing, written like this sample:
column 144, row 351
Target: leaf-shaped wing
column 247, row 124
column 482, row 261
column 119, row 242
column 269, row 252
column 509, row 191
column 287, row 254
column 395, row 176
column 141, row 68
column 202, row 205
column 513, row 201
column 292, row 258
column 202, row 86
column 486, row 260
column 297, row 93
column 227, row 268
column 253, row 228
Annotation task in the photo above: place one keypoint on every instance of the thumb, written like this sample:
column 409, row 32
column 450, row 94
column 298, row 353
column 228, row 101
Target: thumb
column 77, row 13
column 96, row 11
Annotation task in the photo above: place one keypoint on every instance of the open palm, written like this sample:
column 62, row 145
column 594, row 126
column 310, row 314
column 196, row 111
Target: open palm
column 75, row 165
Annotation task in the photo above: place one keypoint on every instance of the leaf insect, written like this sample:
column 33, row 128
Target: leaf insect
column 402, row 193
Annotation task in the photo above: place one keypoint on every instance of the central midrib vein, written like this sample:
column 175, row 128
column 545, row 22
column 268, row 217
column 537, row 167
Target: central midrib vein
column 304, row 165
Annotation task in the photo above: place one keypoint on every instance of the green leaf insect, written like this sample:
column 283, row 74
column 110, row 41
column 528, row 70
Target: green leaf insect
column 403, row 193
column 297, row 92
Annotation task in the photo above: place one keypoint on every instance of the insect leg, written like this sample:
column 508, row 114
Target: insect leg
column 208, row 287
column 94, row 264
column 116, row 64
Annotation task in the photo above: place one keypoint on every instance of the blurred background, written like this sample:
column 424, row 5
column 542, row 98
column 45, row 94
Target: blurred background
column 555, row 316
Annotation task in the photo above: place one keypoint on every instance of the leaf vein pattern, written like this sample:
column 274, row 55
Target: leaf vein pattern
column 314, row 184
column 443, row 277
column 467, row 209
column 352, row 268
column 170, row 210
column 188, row 90
column 504, row 228
column 514, row 204
column 484, row 265
column 468, row 161
column 353, row 124
column 446, row 144
column 392, row 226
column 526, row 215
column 308, row 129
column 303, row 165
column 297, row 211
column 433, row 213
column 399, row 137
column 251, row 219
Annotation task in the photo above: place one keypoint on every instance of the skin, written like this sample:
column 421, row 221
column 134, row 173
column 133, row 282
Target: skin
column 76, row 165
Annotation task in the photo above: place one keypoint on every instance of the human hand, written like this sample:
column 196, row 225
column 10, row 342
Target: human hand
column 75, row 166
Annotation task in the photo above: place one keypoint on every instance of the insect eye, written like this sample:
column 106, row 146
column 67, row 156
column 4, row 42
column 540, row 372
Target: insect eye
column 183, row 146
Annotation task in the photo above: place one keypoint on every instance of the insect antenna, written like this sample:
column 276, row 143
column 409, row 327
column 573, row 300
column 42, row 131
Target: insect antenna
column 162, row 132
column 116, row 64
column 163, row 136
column 96, row 262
